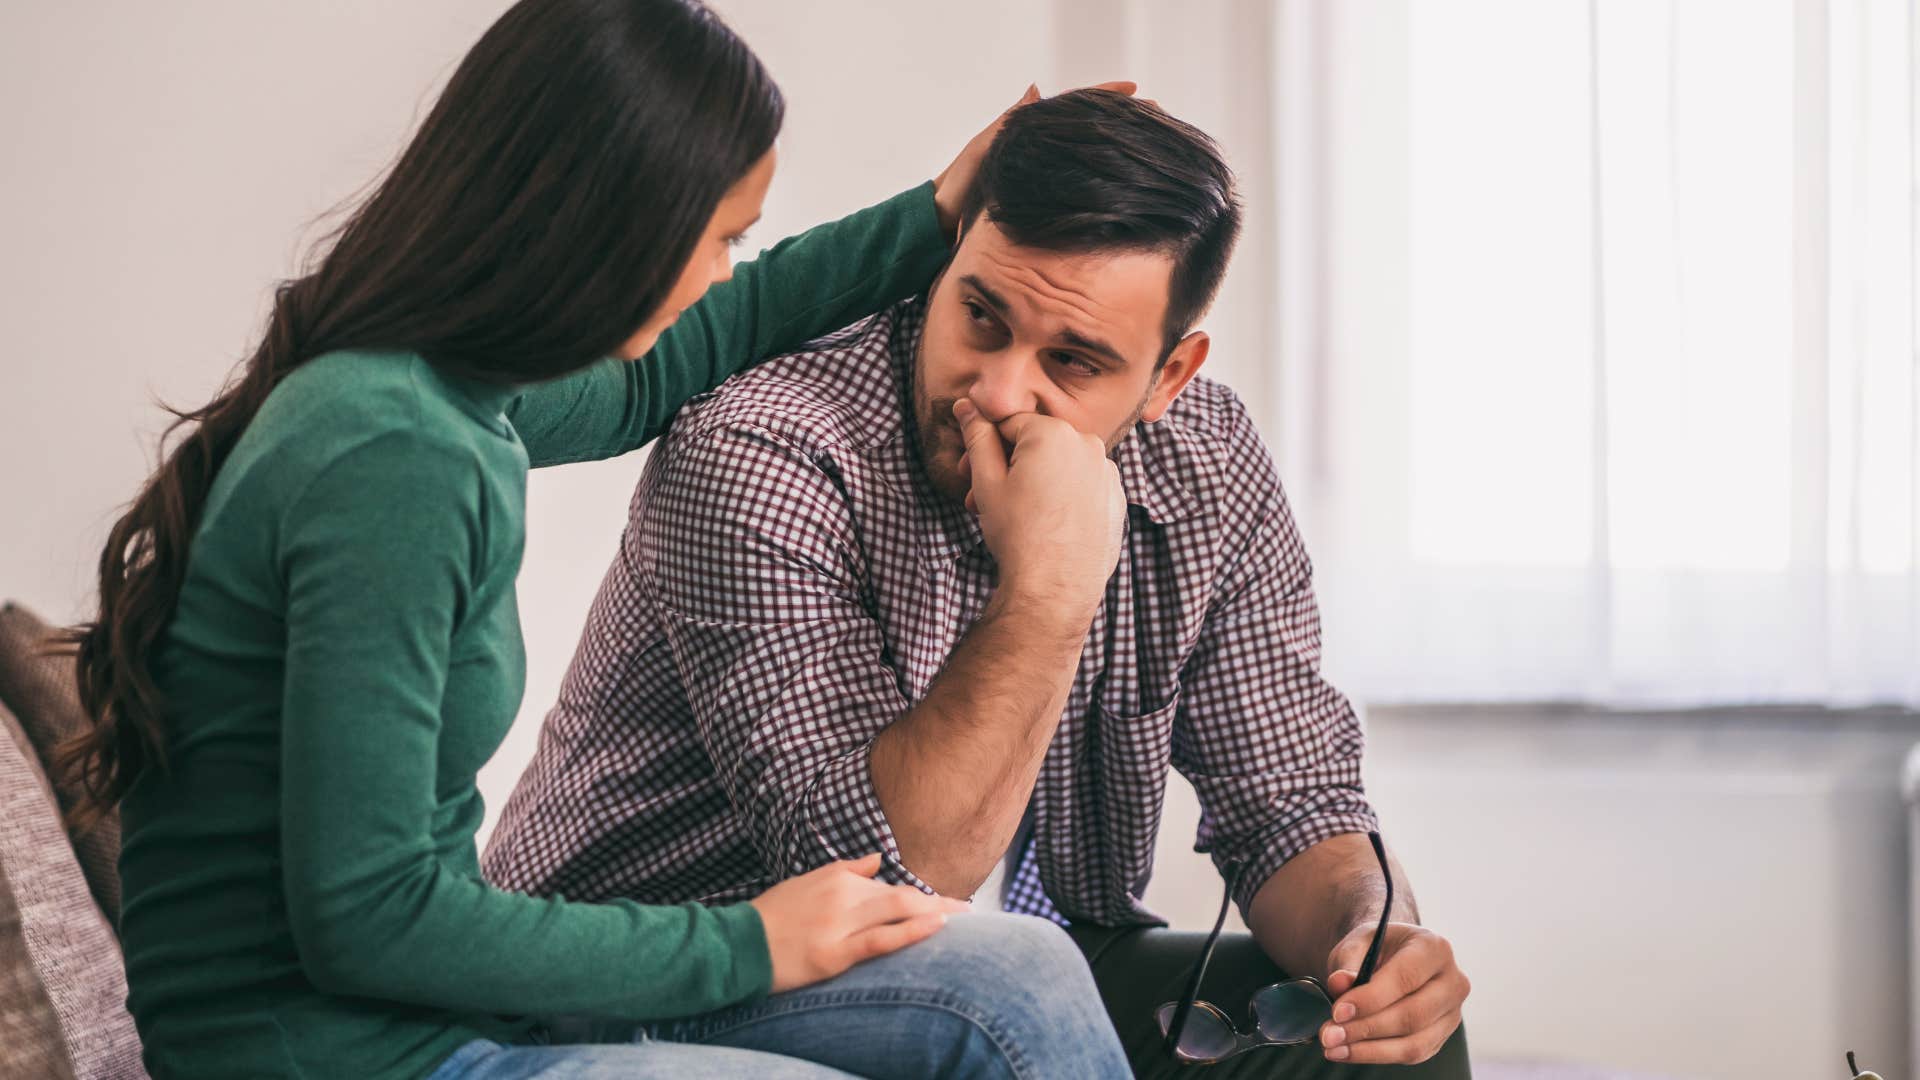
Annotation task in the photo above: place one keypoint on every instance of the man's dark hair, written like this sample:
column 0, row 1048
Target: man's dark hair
column 1093, row 170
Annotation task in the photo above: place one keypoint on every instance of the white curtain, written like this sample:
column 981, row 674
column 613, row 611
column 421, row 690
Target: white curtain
column 1596, row 351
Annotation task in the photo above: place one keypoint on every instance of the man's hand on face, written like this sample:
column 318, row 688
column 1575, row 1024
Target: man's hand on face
column 1050, row 505
column 1407, row 1011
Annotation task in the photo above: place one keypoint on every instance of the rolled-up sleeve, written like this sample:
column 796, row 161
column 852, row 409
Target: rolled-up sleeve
column 1272, row 749
column 750, row 551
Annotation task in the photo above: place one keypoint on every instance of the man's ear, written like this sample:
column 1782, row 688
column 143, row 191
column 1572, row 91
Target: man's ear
column 1182, row 365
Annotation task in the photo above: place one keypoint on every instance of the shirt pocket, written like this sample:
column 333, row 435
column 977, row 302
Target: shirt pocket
column 1133, row 758
column 1132, row 736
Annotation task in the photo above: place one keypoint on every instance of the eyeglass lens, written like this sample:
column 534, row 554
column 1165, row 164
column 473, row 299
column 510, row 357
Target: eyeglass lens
column 1206, row 1037
column 1291, row 1011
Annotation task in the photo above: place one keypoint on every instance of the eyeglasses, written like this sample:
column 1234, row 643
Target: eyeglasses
column 1283, row 1014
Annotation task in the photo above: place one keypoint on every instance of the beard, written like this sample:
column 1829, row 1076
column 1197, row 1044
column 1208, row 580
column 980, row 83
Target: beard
column 937, row 438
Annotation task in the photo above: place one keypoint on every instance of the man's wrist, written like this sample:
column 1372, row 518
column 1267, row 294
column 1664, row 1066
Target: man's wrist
column 1049, row 615
column 946, row 206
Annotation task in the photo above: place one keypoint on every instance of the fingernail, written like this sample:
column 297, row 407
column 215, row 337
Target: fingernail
column 963, row 408
column 1338, row 1053
column 1343, row 1012
column 1335, row 1036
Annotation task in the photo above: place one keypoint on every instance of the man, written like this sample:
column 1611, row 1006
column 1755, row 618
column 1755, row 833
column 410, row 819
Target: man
column 961, row 583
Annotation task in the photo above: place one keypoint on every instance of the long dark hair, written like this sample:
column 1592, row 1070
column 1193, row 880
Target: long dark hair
column 538, row 218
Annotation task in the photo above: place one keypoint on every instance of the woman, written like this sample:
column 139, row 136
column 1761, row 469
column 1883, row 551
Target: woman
column 307, row 642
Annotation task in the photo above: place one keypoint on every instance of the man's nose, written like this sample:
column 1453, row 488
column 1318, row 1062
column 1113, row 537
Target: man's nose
column 1004, row 388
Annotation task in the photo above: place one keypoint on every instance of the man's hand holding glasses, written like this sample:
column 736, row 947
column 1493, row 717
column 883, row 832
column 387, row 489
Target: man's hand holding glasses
column 1407, row 1010
column 1394, row 998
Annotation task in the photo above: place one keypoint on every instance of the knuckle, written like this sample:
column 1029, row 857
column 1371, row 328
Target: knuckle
column 1412, row 979
column 1406, row 981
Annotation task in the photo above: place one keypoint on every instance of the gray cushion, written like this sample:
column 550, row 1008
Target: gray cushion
column 63, row 987
column 40, row 690
column 30, row 1042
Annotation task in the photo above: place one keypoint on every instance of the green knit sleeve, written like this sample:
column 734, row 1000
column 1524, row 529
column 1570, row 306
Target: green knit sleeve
column 801, row 288
column 379, row 559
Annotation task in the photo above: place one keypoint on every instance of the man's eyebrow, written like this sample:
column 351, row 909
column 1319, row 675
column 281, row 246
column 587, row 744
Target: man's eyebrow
column 1094, row 345
column 994, row 300
column 1067, row 337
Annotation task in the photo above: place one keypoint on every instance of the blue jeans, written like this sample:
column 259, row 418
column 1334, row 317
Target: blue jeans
column 990, row 996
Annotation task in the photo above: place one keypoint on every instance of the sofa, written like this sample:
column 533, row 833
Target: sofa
column 63, row 987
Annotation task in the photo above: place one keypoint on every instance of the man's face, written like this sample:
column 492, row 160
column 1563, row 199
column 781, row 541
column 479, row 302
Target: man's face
column 1072, row 336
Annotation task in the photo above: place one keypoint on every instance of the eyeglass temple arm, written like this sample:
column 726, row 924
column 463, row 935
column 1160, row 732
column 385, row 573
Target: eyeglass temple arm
column 1180, row 1014
column 1386, row 912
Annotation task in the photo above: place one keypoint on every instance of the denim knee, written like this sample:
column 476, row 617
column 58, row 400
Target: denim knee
column 1029, row 982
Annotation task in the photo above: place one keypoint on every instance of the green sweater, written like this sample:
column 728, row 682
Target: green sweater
column 302, row 891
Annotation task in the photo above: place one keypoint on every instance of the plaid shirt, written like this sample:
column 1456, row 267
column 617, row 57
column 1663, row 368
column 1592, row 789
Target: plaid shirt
column 789, row 585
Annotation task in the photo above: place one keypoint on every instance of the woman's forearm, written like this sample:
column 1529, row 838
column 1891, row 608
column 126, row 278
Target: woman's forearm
column 805, row 286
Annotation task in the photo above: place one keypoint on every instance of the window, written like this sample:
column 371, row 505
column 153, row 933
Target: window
column 1614, row 381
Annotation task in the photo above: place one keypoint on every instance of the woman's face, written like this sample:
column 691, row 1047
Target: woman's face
column 712, row 259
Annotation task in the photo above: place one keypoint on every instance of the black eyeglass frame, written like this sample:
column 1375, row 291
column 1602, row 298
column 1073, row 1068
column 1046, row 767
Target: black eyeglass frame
column 1173, row 1028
